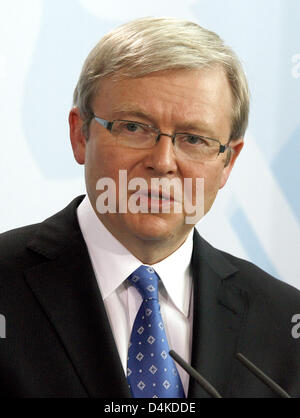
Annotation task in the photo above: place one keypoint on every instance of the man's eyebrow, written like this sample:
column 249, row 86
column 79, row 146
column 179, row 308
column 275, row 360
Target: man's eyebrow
column 201, row 128
column 132, row 111
column 195, row 126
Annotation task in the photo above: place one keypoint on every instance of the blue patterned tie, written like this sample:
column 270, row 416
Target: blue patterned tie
column 151, row 372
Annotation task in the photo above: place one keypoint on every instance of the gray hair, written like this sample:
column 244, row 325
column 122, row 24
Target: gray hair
column 147, row 45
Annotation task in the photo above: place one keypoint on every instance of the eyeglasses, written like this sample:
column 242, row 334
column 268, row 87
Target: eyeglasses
column 138, row 135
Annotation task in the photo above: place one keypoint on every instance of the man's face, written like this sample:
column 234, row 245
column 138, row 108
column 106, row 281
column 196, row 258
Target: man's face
column 196, row 101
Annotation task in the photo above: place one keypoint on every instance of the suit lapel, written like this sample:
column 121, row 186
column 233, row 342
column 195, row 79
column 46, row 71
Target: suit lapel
column 219, row 313
column 67, row 291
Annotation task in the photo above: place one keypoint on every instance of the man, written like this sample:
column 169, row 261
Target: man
column 157, row 99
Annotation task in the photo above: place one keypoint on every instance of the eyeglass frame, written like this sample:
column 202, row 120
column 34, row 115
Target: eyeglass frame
column 109, row 125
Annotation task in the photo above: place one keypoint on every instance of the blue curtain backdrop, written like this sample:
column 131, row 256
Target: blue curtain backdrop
column 42, row 47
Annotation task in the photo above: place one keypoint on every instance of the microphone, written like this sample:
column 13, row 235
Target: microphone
column 262, row 376
column 247, row 363
column 197, row 376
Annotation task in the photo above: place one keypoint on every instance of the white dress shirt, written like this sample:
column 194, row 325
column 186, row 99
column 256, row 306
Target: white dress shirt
column 113, row 263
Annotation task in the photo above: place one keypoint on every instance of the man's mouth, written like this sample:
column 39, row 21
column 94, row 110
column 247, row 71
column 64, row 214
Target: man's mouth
column 155, row 195
column 154, row 200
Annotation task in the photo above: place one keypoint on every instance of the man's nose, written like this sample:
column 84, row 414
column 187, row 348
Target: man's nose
column 161, row 157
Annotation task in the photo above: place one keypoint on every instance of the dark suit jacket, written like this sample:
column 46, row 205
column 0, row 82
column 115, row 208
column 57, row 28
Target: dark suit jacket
column 58, row 339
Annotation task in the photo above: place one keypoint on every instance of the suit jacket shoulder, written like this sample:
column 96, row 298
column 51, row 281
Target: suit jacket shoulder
column 21, row 245
column 249, row 277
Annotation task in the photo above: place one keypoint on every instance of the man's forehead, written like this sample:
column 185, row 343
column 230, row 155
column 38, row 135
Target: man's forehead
column 118, row 79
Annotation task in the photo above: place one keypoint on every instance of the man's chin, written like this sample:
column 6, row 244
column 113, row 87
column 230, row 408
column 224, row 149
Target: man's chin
column 155, row 227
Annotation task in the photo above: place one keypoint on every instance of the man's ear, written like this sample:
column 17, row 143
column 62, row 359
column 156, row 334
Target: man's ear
column 233, row 152
column 78, row 140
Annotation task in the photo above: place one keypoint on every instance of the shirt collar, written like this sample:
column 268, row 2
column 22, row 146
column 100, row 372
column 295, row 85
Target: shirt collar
column 113, row 263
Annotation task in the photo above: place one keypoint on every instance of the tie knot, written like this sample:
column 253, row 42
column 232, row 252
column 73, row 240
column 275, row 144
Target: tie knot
column 145, row 280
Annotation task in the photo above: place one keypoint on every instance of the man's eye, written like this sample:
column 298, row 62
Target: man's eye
column 131, row 127
column 195, row 140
